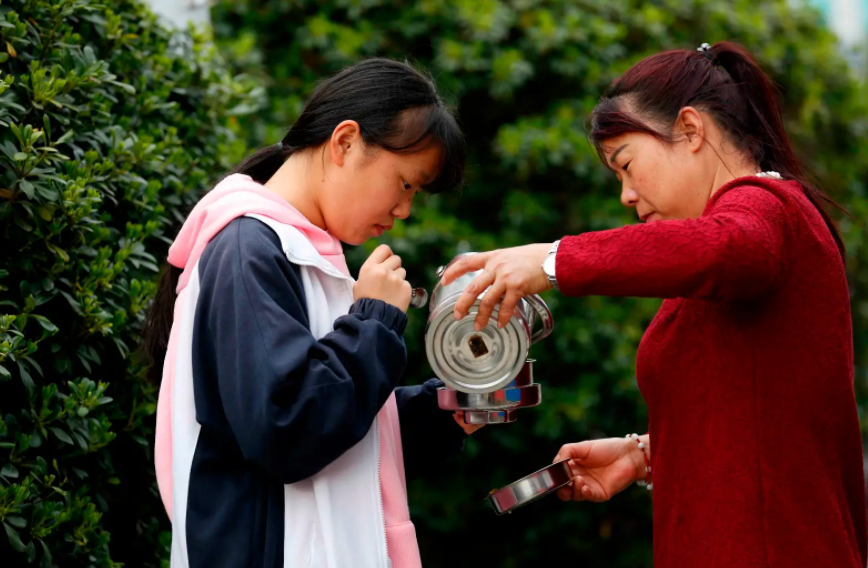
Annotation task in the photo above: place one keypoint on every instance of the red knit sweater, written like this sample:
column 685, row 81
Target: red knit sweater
column 747, row 371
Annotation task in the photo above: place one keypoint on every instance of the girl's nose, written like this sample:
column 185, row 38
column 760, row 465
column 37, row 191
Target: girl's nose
column 402, row 210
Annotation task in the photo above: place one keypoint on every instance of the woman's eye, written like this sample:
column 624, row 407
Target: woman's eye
column 627, row 165
column 406, row 185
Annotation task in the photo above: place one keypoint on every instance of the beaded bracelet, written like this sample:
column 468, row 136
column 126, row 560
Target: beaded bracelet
column 646, row 483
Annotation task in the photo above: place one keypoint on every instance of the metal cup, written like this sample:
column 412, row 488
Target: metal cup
column 480, row 361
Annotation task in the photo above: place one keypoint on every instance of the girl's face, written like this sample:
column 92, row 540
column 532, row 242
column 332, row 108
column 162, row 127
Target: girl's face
column 365, row 189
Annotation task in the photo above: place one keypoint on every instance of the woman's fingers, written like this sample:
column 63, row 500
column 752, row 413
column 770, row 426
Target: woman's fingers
column 507, row 307
column 576, row 451
column 575, row 491
column 488, row 303
column 471, row 293
column 465, row 264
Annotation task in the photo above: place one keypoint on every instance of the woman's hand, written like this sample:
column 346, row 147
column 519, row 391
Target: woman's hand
column 382, row 278
column 468, row 428
column 601, row 468
column 511, row 273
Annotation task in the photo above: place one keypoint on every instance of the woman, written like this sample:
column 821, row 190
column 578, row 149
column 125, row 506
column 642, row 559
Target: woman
column 754, row 445
column 281, row 438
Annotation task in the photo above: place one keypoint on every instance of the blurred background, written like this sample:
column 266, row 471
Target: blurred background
column 523, row 76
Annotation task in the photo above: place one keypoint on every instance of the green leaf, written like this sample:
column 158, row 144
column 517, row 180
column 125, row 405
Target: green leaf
column 73, row 303
column 65, row 137
column 19, row 156
column 45, row 323
column 25, row 376
column 46, row 554
column 14, row 538
column 44, row 213
column 10, row 471
column 22, row 222
column 46, row 124
column 61, row 435
column 128, row 88
column 4, row 372
column 17, row 522
column 26, row 187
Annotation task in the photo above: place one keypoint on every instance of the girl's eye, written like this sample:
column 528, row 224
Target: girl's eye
column 627, row 165
column 406, row 185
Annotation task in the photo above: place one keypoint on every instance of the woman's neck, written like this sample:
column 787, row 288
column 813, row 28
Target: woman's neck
column 297, row 181
column 725, row 173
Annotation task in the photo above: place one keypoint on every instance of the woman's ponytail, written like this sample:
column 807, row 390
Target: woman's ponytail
column 767, row 139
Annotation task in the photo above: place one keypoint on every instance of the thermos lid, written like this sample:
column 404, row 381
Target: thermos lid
column 474, row 361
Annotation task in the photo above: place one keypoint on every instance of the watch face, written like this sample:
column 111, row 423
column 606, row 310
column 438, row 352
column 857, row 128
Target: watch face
column 549, row 265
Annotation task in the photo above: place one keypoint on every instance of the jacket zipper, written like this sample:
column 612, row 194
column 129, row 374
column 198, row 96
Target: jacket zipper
column 380, row 491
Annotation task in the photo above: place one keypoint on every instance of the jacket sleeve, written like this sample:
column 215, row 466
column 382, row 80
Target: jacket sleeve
column 293, row 403
column 735, row 251
column 429, row 435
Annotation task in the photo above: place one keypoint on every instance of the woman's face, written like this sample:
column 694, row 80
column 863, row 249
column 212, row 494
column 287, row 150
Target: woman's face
column 369, row 188
column 662, row 181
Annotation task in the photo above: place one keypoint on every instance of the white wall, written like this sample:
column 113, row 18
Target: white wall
column 180, row 12
column 848, row 19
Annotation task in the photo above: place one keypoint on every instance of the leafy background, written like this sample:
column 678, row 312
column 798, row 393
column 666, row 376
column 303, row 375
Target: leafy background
column 141, row 120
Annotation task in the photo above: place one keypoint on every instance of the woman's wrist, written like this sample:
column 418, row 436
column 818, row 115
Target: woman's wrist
column 640, row 453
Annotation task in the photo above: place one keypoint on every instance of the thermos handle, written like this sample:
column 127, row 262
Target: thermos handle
column 418, row 298
column 545, row 315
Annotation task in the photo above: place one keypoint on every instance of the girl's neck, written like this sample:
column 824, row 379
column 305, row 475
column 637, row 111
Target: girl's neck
column 298, row 181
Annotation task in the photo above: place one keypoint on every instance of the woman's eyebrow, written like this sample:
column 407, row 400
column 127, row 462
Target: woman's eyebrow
column 615, row 154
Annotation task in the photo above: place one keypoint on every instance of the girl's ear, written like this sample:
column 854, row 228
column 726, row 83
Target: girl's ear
column 346, row 138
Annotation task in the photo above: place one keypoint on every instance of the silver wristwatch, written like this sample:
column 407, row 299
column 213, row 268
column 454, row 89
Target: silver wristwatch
column 548, row 265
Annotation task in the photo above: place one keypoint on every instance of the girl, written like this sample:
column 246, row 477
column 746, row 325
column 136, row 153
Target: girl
column 279, row 427
column 747, row 369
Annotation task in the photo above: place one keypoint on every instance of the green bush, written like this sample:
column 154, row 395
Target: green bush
column 111, row 125
column 525, row 76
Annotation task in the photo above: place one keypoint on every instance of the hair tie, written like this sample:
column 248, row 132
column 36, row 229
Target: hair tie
column 705, row 49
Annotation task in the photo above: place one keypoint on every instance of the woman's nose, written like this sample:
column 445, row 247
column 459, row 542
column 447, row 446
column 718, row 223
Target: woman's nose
column 629, row 197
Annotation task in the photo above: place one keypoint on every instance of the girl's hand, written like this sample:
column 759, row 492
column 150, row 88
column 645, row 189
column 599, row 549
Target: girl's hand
column 382, row 278
column 468, row 428
column 601, row 468
column 511, row 273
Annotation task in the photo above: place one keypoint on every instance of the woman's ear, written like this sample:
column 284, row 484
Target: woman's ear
column 690, row 125
column 346, row 138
